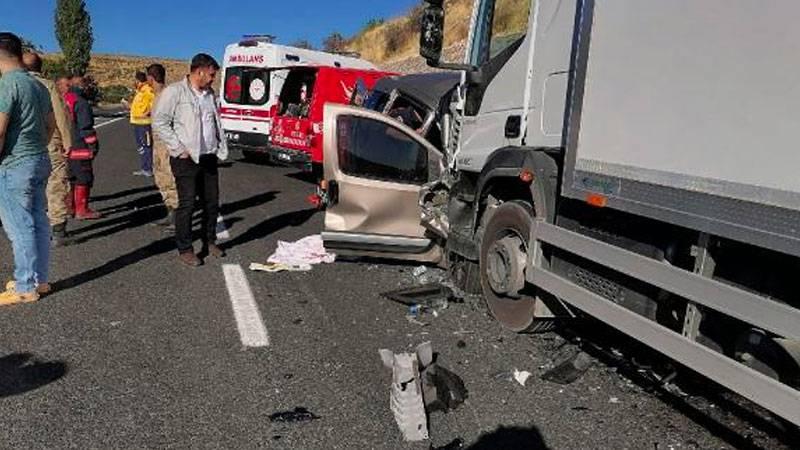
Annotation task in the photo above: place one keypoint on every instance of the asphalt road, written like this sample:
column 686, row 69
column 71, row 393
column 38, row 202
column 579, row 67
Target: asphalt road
column 137, row 351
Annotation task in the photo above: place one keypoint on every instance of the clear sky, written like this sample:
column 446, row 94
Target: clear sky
column 180, row 28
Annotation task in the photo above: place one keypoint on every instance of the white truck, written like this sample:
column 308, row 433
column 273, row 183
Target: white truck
column 631, row 160
column 252, row 78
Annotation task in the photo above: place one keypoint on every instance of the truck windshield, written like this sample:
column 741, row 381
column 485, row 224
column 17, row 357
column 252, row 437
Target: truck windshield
column 501, row 24
column 246, row 86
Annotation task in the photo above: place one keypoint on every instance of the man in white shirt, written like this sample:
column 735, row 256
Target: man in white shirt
column 187, row 121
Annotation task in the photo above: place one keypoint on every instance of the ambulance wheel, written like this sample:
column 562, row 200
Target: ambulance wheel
column 503, row 255
column 248, row 155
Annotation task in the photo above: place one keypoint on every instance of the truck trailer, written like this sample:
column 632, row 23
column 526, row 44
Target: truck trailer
column 634, row 161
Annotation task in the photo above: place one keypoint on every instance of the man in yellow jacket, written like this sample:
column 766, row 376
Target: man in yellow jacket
column 141, row 109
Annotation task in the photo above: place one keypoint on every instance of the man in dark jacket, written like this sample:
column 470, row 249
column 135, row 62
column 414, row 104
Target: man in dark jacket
column 83, row 150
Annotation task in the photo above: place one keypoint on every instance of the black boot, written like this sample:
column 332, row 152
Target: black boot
column 60, row 237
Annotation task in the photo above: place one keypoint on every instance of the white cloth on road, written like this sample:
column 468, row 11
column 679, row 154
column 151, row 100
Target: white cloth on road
column 307, row 251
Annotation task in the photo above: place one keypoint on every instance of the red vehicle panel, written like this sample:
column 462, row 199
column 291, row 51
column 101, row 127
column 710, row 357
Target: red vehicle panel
column 297, row 126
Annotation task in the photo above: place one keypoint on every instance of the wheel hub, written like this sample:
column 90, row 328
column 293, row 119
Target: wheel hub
column 506, row 266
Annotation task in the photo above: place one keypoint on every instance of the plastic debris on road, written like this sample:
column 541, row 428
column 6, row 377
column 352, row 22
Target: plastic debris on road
column 430, row 299
column 521, row 377
column 420, row 386
column 442, row 389
column 307, row 251
column 428, row 275
column 569, row 370
column 279, row 267
column 406, row 399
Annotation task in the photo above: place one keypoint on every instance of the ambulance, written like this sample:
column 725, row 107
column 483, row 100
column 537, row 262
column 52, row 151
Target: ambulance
column 254, row 71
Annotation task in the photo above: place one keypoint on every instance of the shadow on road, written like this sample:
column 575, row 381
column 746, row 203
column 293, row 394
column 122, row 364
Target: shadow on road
column 138, row 203
column 272, row 225
column 122, row 194
column 506, row 438
column 155, row 248
column 21, row 373
column 247, row 203
column 305, row 177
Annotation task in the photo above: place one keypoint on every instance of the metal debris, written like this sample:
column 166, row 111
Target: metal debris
column 569, row 370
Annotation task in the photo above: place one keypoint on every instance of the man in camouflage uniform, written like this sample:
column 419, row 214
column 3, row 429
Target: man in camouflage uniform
column 156, row 76
column 58, row 188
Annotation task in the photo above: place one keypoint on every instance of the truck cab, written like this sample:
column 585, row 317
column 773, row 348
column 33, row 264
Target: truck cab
column 630, row 161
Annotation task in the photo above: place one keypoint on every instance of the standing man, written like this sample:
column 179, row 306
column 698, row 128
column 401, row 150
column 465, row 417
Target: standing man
column 187, row 120
column 26, row 124
column 84, row 149
column 141, row 108
column 156, row 74
column 58, row 148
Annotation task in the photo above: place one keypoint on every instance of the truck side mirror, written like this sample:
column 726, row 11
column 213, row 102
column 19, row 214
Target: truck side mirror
column 431, row 38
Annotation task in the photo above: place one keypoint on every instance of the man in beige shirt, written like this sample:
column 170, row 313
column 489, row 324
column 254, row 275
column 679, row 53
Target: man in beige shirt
column 58, row 188
column 156, row 77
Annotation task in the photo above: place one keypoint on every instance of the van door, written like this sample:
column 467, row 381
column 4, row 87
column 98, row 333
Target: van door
column 244, row 110
column 375, row 167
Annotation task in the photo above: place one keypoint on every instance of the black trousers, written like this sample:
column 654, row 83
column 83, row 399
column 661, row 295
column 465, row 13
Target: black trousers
column 196, row 180
column 81, row 172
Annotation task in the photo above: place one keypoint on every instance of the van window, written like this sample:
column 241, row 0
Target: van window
column 246, row 86
column 376, row 150
column 408, row 112
column 297, row 92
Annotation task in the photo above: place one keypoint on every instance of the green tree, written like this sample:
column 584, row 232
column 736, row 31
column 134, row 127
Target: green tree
column 74, row 34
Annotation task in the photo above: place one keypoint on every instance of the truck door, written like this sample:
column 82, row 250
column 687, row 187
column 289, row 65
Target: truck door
column 494, row 101
column 375, row 167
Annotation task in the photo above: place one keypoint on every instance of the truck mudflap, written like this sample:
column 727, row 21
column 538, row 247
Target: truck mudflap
column 698, row 288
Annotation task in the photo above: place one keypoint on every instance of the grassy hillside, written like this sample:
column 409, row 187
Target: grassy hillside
column 119, row 70
column 398, row 39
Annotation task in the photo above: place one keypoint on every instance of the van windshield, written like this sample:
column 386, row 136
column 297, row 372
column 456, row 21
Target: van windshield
column 246, row 85
column 297, row 92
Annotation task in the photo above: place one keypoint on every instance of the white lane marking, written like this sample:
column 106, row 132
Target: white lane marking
column 222, row 231
column 248, row 318
column 108, row 123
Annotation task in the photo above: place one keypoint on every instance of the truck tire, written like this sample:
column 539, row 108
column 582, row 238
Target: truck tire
column 503, row 255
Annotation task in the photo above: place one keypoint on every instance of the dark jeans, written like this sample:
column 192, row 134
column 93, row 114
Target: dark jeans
column 196, row 180
column 144, row 141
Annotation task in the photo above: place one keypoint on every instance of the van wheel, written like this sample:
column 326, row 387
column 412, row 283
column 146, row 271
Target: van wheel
column 504, row 253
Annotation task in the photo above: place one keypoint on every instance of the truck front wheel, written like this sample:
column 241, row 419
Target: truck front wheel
column 504, row 253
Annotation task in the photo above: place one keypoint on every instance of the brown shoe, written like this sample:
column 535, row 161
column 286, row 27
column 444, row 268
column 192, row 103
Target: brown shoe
column 214, row 250
column 190, row 259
